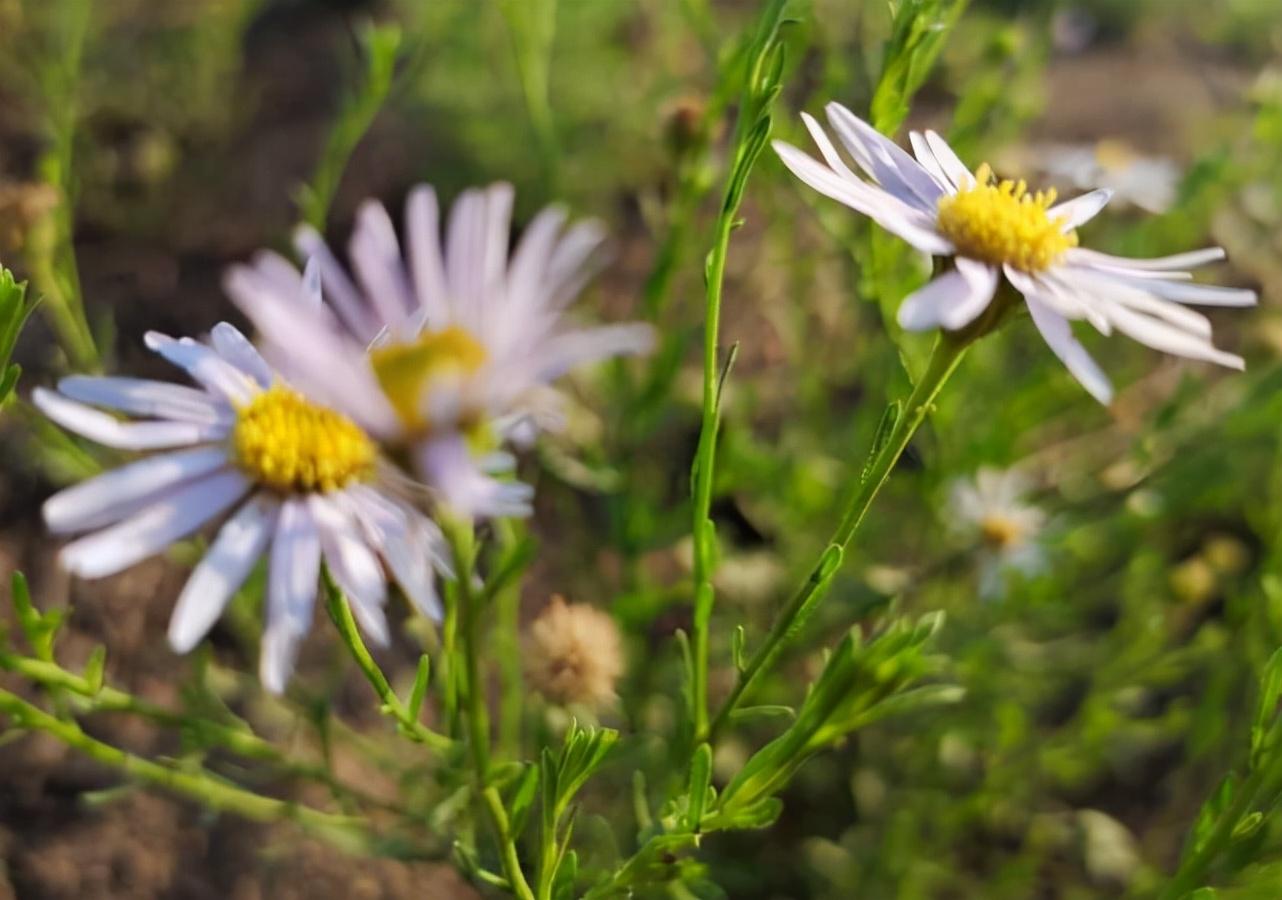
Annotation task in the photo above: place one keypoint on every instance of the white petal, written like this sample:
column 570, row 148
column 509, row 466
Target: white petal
column 376, row 257
column 929, row 305
column 892, row 167
column 234, row 347
column 408, row 543
column 292, row 579
column 446, row 465
column 313, row 288
column 953, row 167
column 342, row 294
column 1107, row 292
column 826, row 148
column 103, row 428
column 1079, row 210
column 206, row 367
column 354, row 566
column 113, row 495
column 881, row 207
column 926, row 157
column 423, row 235
column 1169, row 338
column 465, row 255
column 570, row 349
column 981, row 278
column 573, row 262
column 1191, row 259
column 176, row 515
column 153, row 399
column 224, row 568
column 1199, row 294
column 1058, row 335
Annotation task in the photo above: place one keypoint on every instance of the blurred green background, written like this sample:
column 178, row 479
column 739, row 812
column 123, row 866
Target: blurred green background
column 1111, row 683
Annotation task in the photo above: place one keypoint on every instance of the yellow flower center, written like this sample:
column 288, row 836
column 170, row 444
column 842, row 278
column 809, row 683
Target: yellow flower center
column 290, row 445
column 999, row 222
column 1000, row 532
column 406, row 371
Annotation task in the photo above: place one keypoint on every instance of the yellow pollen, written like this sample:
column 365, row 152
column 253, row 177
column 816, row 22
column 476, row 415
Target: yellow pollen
column 406, row 371
column 290, row 445
column 999, row 222
column 1000, row 532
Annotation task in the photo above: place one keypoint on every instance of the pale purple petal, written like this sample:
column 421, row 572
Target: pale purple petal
column 981, row 279
column 1188, row 260
column 292, row 581
column 446, row 465
column 100, row 427
column 376, row 257
column 887, row 162
column 354, row 566
column 173, row 516
column 240, row 543
column 1079, row 210
column 1058, row 335
column 234, row 347
column 884, row 209
column 423, row 235
column 953, row 168
column 112, row 496
column 927, row 307
column 205, row 367
column 342, row 294
column 153, row 399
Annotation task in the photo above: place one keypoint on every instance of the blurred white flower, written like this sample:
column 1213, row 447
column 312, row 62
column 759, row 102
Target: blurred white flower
column 991, row 508
column 1147, row 182
column 450, row 350
column 301, row 483
column 993, row 229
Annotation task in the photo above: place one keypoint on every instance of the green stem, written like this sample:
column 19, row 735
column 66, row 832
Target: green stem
column 202, row 787
column 408, row 725
column 463, row 542
column 949, row 349
column 704, row 462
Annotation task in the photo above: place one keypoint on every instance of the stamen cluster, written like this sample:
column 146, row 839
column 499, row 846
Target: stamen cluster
column 290, row 445
column 406, row 371
column 1000, row 223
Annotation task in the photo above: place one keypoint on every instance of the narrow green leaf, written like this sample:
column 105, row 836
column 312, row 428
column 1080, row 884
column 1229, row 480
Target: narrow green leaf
column 699, row 783
column 421, row 679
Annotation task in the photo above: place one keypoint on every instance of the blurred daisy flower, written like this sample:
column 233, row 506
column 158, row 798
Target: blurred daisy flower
column 1149, row 183
column 995, row 229
column 991, row 508
column 447, row 351
column 301, row 482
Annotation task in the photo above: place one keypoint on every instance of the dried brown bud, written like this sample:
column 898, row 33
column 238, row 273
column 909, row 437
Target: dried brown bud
column 573, row 654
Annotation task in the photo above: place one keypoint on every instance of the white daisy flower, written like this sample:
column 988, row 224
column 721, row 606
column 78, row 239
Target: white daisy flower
column 449, row 350
column 995, row 229
column 300, row 482
column 991, row 507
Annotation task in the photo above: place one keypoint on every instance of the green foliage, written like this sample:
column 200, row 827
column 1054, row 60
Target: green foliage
column 380, row 45
column 14, row 310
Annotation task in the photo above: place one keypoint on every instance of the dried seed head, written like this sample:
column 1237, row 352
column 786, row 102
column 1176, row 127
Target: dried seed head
column 573, row 654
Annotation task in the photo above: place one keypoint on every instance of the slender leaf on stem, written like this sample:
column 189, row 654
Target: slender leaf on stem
column 381, row 45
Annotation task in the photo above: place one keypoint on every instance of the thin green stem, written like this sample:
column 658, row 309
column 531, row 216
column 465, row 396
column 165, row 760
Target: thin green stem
column 408, row 725
column 105, row 699
column 760, row 86
column 462, row 537
column 704, row 463
column 203, row 787
column 532, row 27
column 948, row 352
